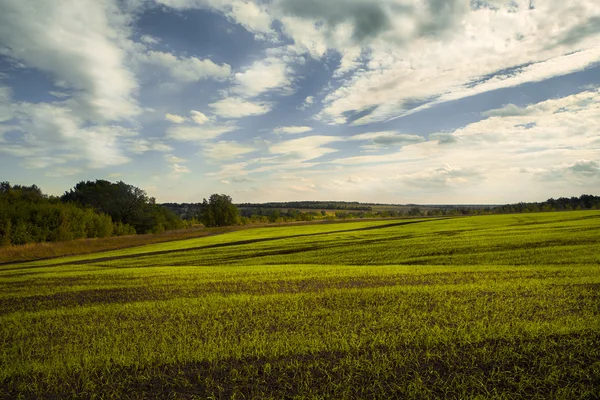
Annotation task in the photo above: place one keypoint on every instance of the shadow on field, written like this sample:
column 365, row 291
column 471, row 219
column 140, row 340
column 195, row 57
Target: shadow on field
column 236, row 243
column 492, row 368
column 130, row 294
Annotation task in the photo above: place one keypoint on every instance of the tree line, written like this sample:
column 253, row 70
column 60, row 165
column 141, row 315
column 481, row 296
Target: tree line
column 89, row 210
column 96, row 209
column 312, row 205
column 124, row 203
column 583, row 202
column 27, row 216
column 256, row 214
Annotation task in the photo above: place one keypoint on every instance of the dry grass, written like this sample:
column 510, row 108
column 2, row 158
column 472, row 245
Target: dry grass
column 37, row 251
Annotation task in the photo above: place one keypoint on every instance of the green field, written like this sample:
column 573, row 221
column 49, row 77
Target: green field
column 503, row 306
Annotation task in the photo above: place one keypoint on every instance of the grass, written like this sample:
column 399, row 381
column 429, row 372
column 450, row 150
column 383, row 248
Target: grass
column 35, row 251
column 38, row 251
column 479, row 307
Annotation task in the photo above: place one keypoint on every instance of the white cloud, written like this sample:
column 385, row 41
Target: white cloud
column 586, row 100
column 176, row 119
column 140, row 146
column 396, row 57
column 231, row 169
column 536, row 72
column 254, row 17
column 388, row 138
column 6, row 113
column 307, row 103
column 509, row 110
column 198, row 134
column 242, row 179
column 179, row 169
column 237, row 107
column 225, row 150
column 43, row 162
column 199, row 117
column 374, row 159
column 481, row 50
column 443, row 137
column 310, row 187
column 584, row 168
column 103, row 147
column 81, row 45
column 550, row 148
column 148, row 39
column 186, row 69
column 547, row 149
column 170, row 158
column 60, row 95
column 270, row 75
column 290, row 178
column 396, row 54
column 579, row 173
column 293, row 130
column 349, row 62
column 59, row 172
column 447, row 175
column 302, row 149
column 49, row 129
column 265, row 75
column 307, row 36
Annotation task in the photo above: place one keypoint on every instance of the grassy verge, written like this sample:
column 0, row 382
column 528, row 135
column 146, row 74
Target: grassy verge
column 36, row 251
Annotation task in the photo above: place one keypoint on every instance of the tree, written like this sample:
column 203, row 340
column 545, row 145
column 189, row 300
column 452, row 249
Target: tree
column 219, row 210
column 415, row 211
column 5, row 232
column 126, row 204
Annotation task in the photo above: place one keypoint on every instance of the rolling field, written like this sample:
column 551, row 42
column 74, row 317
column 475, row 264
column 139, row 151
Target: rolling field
column 503, row 306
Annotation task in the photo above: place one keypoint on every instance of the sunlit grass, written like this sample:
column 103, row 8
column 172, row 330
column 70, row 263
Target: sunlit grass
column 489, row 307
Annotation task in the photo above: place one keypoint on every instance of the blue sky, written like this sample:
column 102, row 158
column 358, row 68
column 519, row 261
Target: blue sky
column 397, row 101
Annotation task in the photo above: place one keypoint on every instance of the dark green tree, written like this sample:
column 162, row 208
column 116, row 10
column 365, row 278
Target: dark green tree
column 126, row 204
column 29, row 216
column 123, row 202
column 219, row 210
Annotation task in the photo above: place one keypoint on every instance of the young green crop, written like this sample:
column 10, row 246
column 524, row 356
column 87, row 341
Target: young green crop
column 489, row 307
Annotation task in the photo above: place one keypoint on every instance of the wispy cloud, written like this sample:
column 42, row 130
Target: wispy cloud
column 186, row 69
column 292, row 130
column 237, row 107
column 224, row 150
column 189, row 133
column 82, row 46
column 174, row 118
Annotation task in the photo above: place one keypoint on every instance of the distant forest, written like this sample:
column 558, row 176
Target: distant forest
column 312, row 205
column 308, row 210
column 96, row 209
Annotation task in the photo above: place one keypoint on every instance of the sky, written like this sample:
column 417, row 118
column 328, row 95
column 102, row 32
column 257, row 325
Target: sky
column 385, row 101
